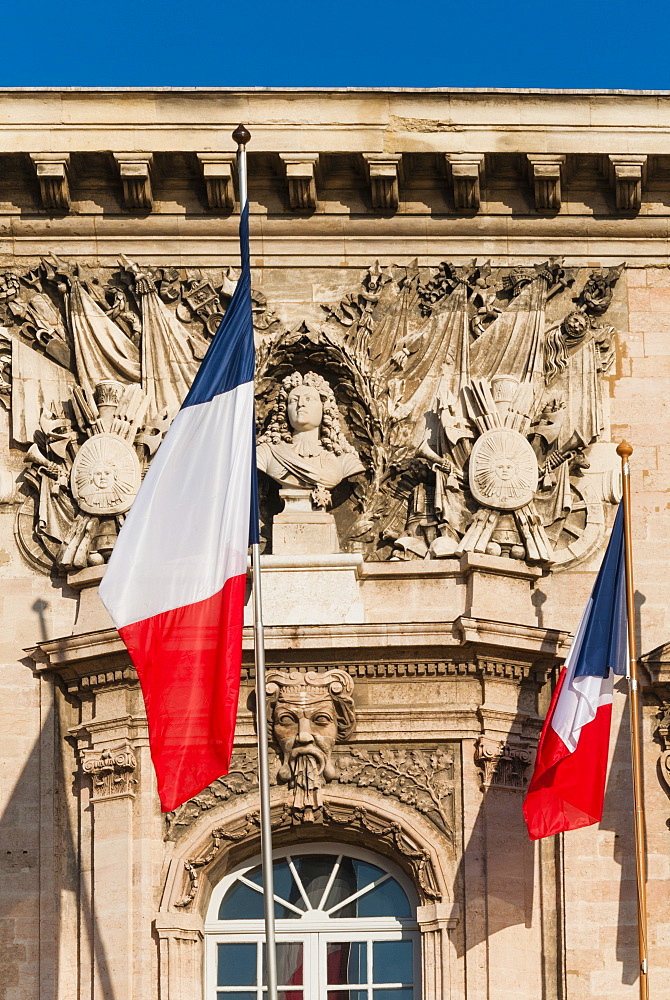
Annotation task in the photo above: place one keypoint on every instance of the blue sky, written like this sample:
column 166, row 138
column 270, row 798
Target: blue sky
column 470, row 43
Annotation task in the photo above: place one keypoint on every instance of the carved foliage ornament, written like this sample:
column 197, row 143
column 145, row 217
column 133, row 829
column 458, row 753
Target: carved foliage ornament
column 422, row 778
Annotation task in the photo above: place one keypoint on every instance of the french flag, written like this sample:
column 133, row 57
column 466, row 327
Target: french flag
column 175, row 584
column 568, row 784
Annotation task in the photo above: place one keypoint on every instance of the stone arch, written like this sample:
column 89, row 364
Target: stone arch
column 229, row 833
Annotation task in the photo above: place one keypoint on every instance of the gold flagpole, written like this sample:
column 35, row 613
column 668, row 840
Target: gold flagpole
column 624, row 451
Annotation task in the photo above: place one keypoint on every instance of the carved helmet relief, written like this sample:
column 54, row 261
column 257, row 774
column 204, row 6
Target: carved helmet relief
column 436, row 411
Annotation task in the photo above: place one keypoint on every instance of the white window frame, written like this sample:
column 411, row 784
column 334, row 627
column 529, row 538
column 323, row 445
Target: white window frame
column 312, row 930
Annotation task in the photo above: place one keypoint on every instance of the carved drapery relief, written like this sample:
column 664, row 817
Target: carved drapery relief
column 503, row 763
column 111, row 770
column 472, row 398
column 458, row 404
column 308, row 714
column 94, row 366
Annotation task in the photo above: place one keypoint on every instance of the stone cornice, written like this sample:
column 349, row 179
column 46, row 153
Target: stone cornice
column 472, row 647
column 454, row 166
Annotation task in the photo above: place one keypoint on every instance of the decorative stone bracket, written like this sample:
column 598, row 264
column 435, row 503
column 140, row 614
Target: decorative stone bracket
column 218, row 172
column 382, row 171
column 111, row 770
column 627, row 175
column 546, row 172
column 467, row 172
column 301, row 176
column 52, row 175
column 502, row 763
column 135, row 172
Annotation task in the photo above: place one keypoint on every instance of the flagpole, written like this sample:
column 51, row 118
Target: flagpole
column 624, row 451
column 241, row 136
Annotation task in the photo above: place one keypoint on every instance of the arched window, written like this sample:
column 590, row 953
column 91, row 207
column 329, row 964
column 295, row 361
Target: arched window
column 345, row 924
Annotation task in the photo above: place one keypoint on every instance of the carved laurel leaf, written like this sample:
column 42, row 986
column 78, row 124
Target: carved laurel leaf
column 417, row 778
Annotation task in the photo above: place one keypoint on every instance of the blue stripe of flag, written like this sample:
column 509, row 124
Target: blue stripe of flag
column 231, row 358
column 229, row 362
column 604, row 644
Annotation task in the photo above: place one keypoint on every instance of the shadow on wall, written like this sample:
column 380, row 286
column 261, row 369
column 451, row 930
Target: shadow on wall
column 618, row 817
column 31, row 898
column 496, row 872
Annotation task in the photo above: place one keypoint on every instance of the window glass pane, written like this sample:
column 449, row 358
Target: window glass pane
column 392, row 962
column 285, row 887
column 241, row 903
column 289, row 963
column 392, row 994
column 386, row 900
column 347, row 962
column 314, row 871
column 352, row 876
column 290, row 995
column 236, row 965
column 236, row 995
column 347, row 995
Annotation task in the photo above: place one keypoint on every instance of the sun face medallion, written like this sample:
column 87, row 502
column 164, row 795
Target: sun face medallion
column 503, row 470
column 105, row 475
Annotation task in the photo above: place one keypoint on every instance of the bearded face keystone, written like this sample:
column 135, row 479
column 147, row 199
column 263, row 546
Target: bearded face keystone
column 308, row 714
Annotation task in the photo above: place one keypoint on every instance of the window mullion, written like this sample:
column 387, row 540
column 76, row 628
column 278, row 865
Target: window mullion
column 361, row 892
column 329, row 883
column 370, row 977
column 298, row 882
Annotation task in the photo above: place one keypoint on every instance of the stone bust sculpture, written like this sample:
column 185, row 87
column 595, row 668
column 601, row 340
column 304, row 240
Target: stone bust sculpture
column 308, row 714
column 304, row 445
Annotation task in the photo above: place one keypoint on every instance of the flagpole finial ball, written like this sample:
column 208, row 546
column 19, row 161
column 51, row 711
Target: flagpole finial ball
column 624, row 450
column 241, row 135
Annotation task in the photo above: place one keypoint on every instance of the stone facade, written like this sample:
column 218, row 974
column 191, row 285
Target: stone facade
column 471, row 292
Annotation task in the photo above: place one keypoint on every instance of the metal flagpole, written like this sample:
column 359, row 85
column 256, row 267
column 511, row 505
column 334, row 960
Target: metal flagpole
column 625, row 451
column 241, row 136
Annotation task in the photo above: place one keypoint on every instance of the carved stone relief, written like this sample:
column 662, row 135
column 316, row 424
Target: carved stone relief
column 422, row 777
column 308, row 714
column 94, row 365
column 472, row 398
column 334, row 817
column 662, row 734
column 457, row 405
